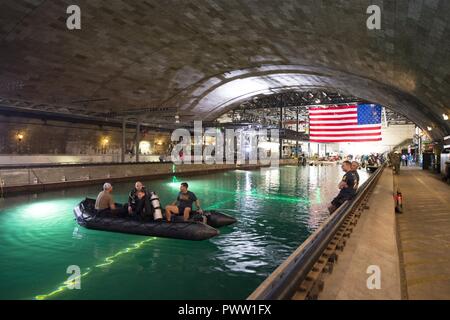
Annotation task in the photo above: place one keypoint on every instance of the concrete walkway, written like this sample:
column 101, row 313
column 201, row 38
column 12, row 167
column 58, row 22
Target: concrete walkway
column 372, row 242
column 424, row 232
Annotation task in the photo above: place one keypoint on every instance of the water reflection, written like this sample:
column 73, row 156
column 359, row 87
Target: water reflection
column 276, row 209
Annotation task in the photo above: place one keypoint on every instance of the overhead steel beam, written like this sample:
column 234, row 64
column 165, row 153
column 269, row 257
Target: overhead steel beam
column 72, row 118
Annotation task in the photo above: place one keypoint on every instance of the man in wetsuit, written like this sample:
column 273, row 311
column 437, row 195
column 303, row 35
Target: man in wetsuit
column 139, row 201
column 346, row 186
column 183, row 204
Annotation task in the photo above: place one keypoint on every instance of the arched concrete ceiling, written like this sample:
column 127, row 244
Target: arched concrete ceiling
column 205, row 56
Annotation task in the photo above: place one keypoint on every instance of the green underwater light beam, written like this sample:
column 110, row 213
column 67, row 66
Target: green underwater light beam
column 107, row 261
column 61, row 288
column 254, row 193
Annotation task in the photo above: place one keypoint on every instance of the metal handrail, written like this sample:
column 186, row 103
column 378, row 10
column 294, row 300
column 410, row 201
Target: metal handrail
column 81, row 164
column 285, row 280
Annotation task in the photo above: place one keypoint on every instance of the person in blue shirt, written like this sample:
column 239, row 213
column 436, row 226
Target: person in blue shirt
column 183, row 204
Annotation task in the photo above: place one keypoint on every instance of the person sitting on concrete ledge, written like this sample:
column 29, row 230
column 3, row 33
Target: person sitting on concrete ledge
column 355, row 166
column 346, row 186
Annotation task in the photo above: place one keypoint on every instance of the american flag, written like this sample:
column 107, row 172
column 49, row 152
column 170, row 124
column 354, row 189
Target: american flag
column 350, row 123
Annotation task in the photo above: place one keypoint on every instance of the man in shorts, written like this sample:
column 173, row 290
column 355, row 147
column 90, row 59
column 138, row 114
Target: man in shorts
column 183, row 204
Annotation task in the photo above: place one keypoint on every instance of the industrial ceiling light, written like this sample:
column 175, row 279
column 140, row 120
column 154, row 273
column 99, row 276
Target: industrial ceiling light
column 429, row 128
column 445, row 116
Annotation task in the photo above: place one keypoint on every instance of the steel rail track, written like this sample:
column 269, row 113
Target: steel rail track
column 300, row 276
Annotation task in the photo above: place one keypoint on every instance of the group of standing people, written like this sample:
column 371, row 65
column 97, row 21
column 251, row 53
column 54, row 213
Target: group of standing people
column 407, row 159
column 145, row 204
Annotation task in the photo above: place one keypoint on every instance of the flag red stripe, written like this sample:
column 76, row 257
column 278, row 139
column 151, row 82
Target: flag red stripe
column 316, row 126
column 331, row 113
column 345, row 140
column 343, row 129
column 343, row 134
column 332, row 108
column 335, row 119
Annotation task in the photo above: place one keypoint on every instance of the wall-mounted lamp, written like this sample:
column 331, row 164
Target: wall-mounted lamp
column 105, row 141
column 19, row 136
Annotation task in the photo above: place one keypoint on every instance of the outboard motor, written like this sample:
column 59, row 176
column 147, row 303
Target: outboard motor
column 157, row 214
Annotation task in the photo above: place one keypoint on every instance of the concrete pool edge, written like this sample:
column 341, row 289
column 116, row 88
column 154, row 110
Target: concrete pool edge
column 13, row 190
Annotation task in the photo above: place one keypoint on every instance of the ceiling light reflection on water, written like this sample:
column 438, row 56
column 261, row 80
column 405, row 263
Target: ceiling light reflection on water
column 276, row 209
column 41, row 210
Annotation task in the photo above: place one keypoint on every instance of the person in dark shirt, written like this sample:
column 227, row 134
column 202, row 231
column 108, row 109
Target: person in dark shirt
column 355, row 166
column 183, row 204
column 346, row 186
column 139, row 201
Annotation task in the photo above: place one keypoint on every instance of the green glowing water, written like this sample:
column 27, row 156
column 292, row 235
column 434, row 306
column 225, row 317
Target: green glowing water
column 276, row 210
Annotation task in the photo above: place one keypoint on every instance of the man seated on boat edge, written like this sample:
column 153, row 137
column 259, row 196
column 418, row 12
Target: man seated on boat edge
column 183, row 204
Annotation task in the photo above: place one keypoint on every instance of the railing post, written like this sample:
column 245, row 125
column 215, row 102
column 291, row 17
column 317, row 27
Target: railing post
column 124, row 126
column 138, row 138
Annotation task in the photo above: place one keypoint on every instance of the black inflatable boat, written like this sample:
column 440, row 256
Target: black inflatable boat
column 188, row 230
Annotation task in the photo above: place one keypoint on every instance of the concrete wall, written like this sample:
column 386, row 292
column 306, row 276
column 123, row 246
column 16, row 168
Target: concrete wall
column 64, row 176
column 71, row 159
column 57, row 137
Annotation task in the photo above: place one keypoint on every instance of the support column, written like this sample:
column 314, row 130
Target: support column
column 138, row 138
column 296, row 141
column 124, row 127
column 280, row 139
column 419, row 152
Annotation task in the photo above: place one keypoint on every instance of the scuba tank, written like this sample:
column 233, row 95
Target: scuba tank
column 157, row 214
